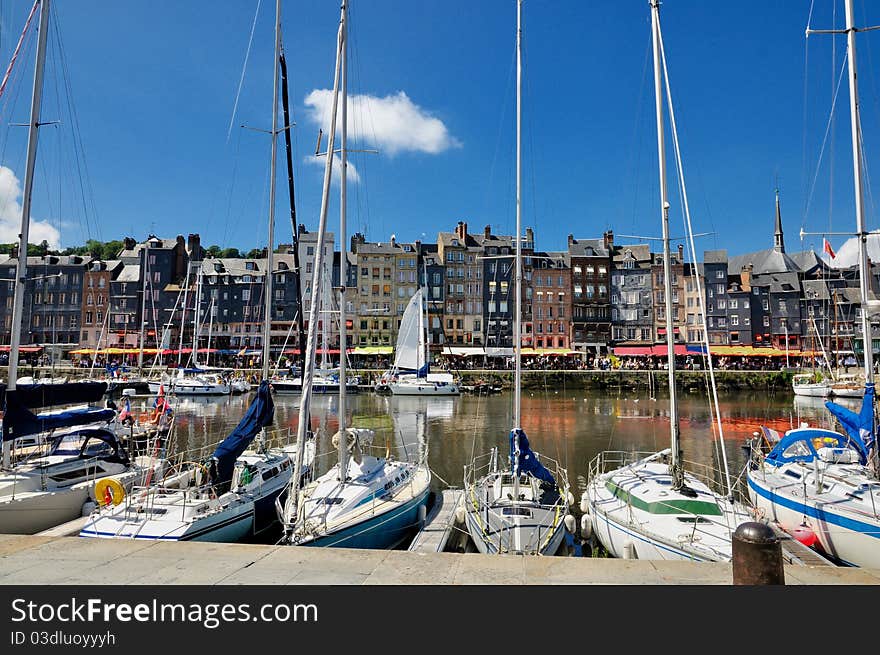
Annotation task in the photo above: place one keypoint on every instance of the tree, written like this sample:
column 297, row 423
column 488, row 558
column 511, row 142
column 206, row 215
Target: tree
column 256, row 253
column 230, row 253
column 213, row 251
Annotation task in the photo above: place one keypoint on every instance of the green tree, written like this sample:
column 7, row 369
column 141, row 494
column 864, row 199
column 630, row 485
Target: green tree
column 230, row 253
column 256, row 253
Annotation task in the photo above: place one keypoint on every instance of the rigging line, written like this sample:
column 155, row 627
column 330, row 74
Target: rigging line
column 831, row 149
column 229, row 191
column 243, row 69
column 503, row 114
column 18, row 47
column 87, row 193
column 689, row 231
column 357, row 106
column 637, row 138
column 824, row 140
column 804, row 172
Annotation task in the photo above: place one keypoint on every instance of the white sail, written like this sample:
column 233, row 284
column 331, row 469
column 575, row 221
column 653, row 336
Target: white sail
column 410, row 353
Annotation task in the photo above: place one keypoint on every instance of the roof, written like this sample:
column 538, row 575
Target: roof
column 765, row 261
column 640, row 251
column 778, row 282
column 587, row 248
column 717, row 257
column 129, row 273
column 815, row 290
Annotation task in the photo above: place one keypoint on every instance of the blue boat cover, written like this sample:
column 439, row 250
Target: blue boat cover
column 19, row 421
column 260, row 414
column 53, row 395
column 860, row 427
column 528, row 460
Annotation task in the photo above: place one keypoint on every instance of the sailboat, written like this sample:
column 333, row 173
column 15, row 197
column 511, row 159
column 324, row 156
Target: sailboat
column 237, row 493
column 76, row 446
column 410, row 375
column 652, row 508
column 521, row 507
column 365, row 500
column 821, row 483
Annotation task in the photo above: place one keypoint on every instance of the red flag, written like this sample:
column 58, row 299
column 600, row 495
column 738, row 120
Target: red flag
column 827, row 247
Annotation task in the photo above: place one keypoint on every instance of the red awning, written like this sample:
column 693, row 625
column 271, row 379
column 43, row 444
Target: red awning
column 22, row 349
column 632, row 350
column 678, row 349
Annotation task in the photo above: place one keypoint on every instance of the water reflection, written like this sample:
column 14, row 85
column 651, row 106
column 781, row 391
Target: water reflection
column 570, row 426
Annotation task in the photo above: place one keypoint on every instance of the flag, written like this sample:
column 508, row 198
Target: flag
column 126, row 412
column 827, row 247
column 160, row 400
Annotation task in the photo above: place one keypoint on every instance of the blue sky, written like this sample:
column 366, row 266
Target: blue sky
column 146, row 92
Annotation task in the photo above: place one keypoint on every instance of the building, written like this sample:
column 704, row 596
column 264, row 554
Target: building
column 589, row 262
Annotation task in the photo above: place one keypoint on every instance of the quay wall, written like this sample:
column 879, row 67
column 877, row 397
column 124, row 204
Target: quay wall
column 552, row 379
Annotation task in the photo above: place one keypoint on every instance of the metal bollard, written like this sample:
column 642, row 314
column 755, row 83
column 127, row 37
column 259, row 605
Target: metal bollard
column 757, row 555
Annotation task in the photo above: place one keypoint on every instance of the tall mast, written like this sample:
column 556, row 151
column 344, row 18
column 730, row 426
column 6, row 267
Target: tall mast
column 864, row 270
column 144, row 279
column 675, row 468
column 290, row 509
column 267, row 309
column 21, row 272
column 343, row 156
column 197, row 311
column 301, row 337
column 517, row 323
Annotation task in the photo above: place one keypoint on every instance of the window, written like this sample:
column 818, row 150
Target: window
column 719, row 274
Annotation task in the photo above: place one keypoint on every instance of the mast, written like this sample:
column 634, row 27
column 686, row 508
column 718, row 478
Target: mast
column 675, row 468
column 197, row 310
column 862, row 233
column 27, row 192
column 144, row 280
column 267, row 309
column 290, row 509
column 517, row 323
column 343, row 156
column 297, row 287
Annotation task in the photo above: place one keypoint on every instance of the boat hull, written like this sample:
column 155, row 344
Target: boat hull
column 851, row 537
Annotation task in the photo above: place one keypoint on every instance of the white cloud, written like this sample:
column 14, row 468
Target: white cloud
column 10, row 215
column 350, row 176
column 392, row 124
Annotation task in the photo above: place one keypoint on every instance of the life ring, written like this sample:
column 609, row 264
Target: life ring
column 109, row 491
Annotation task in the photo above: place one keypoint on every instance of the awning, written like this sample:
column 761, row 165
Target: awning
column 22, row 349
column 624, row 351
column 549, row 351
column 319, row 351
column 463, row 351
column 372, row 350
column 499, row 352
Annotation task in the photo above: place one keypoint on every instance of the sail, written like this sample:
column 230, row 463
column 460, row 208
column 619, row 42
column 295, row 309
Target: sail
column 260, row 414
column 53, row 395
column 19, row 421
column 859, row 427
column 528, row 460
column 408, row 356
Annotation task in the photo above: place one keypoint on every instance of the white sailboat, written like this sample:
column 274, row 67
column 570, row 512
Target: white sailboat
column 521, row 507
column 821, row 483
column 410, row 375
column 237, row 493
column 652, row 508
column 364, row 500
column 77, row 447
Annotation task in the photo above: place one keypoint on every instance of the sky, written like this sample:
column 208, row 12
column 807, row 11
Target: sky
column 157, row 117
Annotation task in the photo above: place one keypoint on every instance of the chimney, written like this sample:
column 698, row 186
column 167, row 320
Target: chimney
column 393, row 240
column 356, row 239
column 487, row 231
column 746, row 277
column 15, row 251
column 570, row 240
column 608, row 240
column 193, row 245
column 530, row 238
column 128, row 243
column 301, row 229
column 680, row 253
column 418, row 246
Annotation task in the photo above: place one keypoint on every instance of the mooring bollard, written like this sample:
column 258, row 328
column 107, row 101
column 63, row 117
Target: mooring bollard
column 757, row 555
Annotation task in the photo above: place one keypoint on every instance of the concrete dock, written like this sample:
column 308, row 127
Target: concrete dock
column 48, row 560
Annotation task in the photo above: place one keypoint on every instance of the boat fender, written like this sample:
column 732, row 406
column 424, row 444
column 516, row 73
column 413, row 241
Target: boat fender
column 109, row 491
column 459, row 515
column 586, row 527
column 585, row 503
column 570, row 523
column 570, row 498
column 629, row 551
column 423, row 514
column 88, row 507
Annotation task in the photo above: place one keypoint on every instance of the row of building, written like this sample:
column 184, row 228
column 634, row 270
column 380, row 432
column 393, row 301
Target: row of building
column 593, row 296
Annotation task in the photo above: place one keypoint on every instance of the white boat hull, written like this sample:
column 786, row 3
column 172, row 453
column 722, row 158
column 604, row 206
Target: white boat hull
column 850, row 535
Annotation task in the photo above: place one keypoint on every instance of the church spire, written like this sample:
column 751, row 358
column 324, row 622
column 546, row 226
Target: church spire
column 778, row 242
